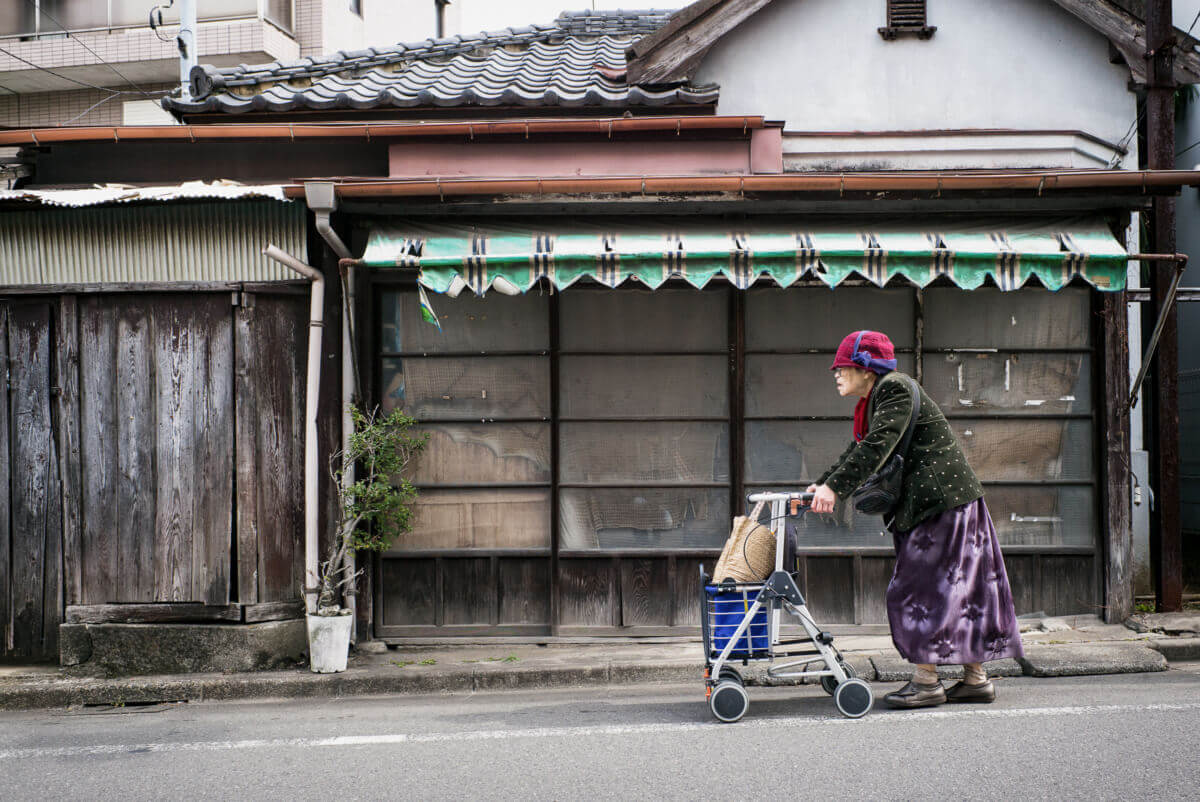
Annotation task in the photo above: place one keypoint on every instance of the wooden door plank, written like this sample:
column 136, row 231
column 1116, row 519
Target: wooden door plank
column 174, row 447
column 152, row 613
column 67, row 379
column 5, row 497
column 135, row 430
column 645, row 592
column 213, row 452
column 97, row 441
column 586, row 596
column 246, row 415
column 32, row 459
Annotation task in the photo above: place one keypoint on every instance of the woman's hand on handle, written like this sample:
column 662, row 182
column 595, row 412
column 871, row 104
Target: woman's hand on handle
column 823, row 498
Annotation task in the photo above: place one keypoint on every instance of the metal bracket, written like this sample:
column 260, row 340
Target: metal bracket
column 782, row 584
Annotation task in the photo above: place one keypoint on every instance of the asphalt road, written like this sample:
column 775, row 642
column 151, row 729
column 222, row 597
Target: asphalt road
column 1127, row 737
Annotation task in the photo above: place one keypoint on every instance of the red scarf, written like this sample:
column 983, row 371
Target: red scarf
column 860, row 416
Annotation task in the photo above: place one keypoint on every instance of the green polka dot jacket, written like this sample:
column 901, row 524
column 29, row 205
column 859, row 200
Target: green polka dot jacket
column 936, row 474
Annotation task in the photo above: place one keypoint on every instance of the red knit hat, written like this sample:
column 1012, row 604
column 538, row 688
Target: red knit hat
column 869, row 350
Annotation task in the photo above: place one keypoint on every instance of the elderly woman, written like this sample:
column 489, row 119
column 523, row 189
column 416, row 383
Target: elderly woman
column 949, row 601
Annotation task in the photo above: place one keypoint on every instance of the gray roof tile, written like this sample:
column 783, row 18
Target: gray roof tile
column 563, row 64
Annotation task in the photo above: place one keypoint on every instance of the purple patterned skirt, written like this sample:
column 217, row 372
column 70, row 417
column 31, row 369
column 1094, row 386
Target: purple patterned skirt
column 949, row 601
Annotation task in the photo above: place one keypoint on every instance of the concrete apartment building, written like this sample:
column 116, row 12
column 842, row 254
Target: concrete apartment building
column 98, row 62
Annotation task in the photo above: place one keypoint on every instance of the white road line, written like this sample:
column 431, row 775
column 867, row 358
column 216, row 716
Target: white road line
column 579, row 732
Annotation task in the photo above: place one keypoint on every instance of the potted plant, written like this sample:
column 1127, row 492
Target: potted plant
column 372, row 511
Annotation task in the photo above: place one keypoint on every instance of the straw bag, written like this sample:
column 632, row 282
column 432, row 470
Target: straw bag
column 749, row 553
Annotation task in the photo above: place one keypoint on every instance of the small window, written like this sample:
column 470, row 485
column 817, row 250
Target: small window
column 906, row 17
column 356, row 7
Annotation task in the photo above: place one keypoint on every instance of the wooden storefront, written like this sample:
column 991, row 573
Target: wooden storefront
column 589, row 447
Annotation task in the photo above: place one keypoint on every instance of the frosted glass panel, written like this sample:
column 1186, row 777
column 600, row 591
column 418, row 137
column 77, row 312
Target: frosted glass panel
column 469, row 324
column 642, row 321
column 481, row 519
column 491, row 452
column 798, row 385
column 643, row 386
column 440, row 388
column 1027, row 384
column 647, row 518
column 815, row 317
column 989, row 318
column 795, row 452
column 1028, row 449
column 644, row 452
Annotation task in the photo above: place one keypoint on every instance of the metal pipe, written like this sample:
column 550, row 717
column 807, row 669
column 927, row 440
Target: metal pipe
column 315, row 325
column 1181, row 261
column 186, row 41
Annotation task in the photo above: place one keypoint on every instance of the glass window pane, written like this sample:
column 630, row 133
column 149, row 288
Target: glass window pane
column 220, row 9
column 1031, row 384
column 280, row 13
column 17, row 18
column 1027, row 449
column 483, row 519
column 644, row 452
column 643, row 386
column 448, row 388
column 73, row 15
column 486, row 452
column 647, row 518
column 469, row 324
column 1058, row 516
column 989, row 318
column 643, row 321
column 798, row 385
column 793, row 452
column 815, row 317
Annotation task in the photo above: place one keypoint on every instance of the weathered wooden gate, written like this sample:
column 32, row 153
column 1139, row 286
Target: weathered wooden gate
column 30, row 493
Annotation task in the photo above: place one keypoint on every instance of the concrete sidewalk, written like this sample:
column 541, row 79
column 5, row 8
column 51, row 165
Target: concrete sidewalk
column 1069, row 646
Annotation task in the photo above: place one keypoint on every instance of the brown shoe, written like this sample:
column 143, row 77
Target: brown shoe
column 915, row 695
column 962, row 692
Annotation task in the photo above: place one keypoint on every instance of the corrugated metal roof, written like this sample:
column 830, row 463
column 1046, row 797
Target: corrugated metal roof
column 578, row 61
column 121, row 193
column 177, row 242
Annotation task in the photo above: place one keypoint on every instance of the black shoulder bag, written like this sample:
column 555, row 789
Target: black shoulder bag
column 880, row 493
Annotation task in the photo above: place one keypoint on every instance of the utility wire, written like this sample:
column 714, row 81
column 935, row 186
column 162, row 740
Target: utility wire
column 58, row 74
column 39, row 10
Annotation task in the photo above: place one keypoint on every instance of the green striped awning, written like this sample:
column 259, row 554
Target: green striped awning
column 650, row 252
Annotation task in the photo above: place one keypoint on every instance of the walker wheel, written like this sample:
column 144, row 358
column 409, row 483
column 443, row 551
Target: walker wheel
column 732, row 674
column 853, row 698
column 829, row 684
column 729, row 701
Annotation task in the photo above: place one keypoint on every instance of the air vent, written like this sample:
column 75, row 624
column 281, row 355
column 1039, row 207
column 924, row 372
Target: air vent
column 906, row 17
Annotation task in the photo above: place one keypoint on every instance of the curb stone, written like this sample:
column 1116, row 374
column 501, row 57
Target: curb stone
column 1085, row 659
column 1176, row 648
column 889, row 668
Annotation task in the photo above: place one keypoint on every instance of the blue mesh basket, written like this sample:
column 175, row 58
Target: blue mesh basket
column 727, row 608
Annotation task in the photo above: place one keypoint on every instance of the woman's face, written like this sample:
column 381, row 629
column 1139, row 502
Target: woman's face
column 853, row 381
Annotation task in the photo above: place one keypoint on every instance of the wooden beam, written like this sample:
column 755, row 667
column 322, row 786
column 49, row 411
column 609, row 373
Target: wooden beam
column 272, row 611
column 1116, row 522
column 673, row 54
column 1128, row 35
column 181, row 612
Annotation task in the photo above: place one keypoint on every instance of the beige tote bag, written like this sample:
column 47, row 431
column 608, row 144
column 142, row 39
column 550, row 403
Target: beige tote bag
column 749, row 553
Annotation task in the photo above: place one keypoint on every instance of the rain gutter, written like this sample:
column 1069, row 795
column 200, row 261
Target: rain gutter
column 1039, row 181
column 315, row 325
column 602, row 126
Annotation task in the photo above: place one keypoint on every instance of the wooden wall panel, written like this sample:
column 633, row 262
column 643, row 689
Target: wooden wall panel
column 67, row 432
column 135, row 441
column 411, row 592
column 1022, row 578
column 98, row 451
column 33, row 481
column 586, row 592
column 876, row 574
column 687, row 590
column 270, row 386
column 468, row 591
column 1067, row 585
column 5, row 497
column 523, row 590
column 831, row 591
column 645, row 592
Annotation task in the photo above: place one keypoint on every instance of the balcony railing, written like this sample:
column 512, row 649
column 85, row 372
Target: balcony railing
column 49, row 17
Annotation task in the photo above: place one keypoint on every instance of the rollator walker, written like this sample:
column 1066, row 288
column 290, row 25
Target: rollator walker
column 740, row 622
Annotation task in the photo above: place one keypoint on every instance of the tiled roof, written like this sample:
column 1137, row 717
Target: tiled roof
column 579, row 61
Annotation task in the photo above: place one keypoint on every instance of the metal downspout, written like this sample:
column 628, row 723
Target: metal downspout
column 316, row 323
column 322, row 201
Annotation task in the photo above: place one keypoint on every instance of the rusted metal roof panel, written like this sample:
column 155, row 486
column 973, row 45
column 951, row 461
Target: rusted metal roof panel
column 175, row 242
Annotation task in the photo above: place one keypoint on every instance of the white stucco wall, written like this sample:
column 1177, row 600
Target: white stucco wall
column 820, row 65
